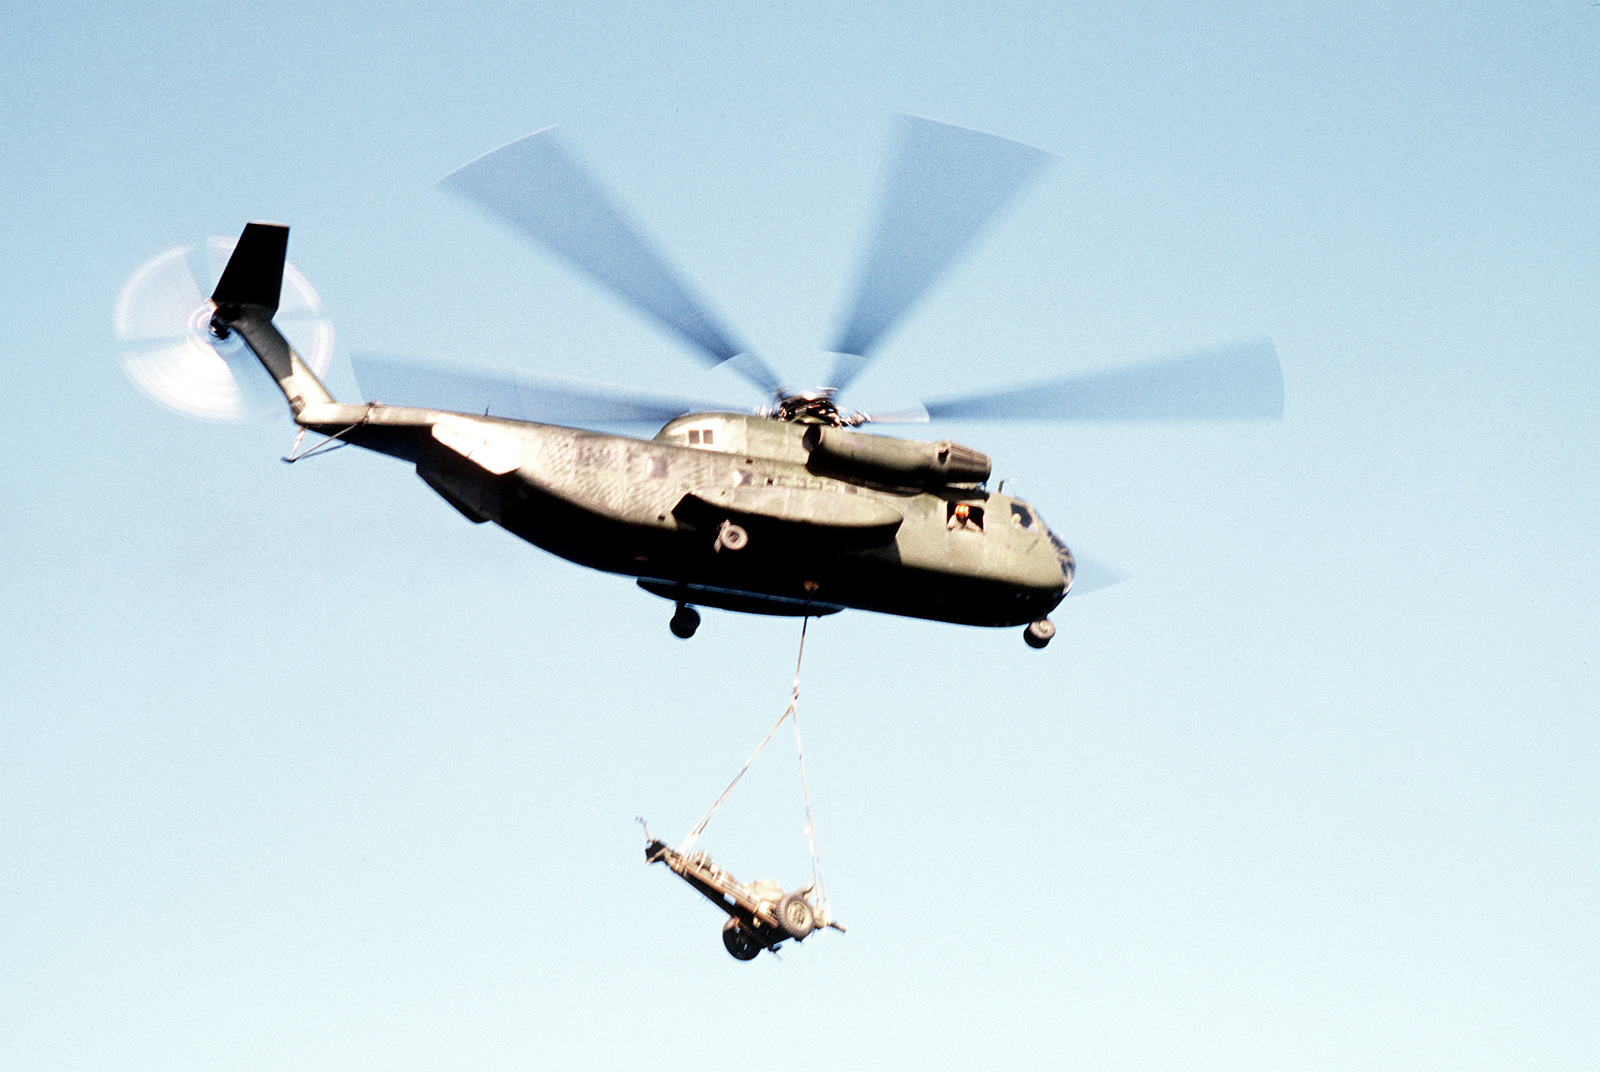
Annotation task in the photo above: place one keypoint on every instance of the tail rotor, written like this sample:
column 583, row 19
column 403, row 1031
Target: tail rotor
column 170, row 353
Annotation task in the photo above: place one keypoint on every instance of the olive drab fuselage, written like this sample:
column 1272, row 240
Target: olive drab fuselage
column 786, row 514
column 821, row 537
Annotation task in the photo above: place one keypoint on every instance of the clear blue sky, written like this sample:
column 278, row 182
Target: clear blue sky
column 300, row 771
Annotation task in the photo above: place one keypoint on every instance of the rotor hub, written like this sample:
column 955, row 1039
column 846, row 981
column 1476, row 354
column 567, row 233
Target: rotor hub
column 205, row 327
column 813, row 407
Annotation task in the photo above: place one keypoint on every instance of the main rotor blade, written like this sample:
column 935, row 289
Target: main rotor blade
column 1242, row 382
column 534, row 186
column 947, row 182
column 408, row 381
column 1093, row 574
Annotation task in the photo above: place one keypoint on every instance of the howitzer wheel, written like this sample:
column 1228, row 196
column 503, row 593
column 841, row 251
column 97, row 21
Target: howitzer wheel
column 740, row 943
column 796, row 916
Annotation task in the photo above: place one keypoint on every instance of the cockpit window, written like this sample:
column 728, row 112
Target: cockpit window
column 1068, row 566
column 699, row 436
column 1021, row 515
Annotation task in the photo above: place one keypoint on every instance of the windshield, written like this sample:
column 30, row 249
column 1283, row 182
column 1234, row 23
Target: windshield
column 1062, row 552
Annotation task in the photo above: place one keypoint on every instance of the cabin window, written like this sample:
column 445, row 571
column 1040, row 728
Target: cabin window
column 742, row 477
column 960, row 515
column 1021, row 515
column 658, row 466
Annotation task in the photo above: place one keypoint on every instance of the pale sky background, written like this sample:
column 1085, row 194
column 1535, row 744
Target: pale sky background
column 298, row 770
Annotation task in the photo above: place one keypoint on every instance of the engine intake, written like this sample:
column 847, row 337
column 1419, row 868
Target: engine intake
column 895, row 462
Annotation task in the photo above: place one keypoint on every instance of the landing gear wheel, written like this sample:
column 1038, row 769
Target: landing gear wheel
column 685, row 620
column 796, row 917
column 732, row 537
column 741, row 945
column 1038, row 633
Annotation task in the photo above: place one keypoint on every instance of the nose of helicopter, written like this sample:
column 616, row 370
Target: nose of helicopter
column 1069, row 566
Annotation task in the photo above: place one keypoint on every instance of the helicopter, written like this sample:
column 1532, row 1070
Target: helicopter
column 787, row 510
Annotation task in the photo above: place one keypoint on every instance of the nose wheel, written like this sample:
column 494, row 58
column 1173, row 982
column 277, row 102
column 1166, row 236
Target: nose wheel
column 685, row 620
column 1039, row 633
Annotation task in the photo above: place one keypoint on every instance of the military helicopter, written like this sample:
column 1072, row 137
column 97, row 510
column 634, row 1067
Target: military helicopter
column 789, row 510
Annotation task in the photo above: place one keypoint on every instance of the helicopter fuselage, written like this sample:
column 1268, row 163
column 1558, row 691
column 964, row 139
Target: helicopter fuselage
column 734, row 511
column 793, row 513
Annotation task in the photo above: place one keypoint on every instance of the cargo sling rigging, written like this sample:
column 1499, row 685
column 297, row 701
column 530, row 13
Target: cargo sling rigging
column 791, row 713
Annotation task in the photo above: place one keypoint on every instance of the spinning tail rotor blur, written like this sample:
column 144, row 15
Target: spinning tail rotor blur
column 171, row 355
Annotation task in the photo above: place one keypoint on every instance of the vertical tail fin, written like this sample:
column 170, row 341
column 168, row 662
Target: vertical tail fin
column 254, row 275
column 246, row 299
